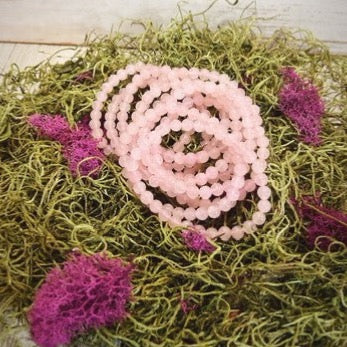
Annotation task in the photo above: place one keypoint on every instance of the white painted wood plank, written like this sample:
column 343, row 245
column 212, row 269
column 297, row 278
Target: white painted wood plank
column 68, row 21
column 327, row 19
column 62, row 21
column 5, row 53
column 31, row 54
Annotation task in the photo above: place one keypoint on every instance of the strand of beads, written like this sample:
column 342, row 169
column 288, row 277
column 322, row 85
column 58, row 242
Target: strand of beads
column 160, row 101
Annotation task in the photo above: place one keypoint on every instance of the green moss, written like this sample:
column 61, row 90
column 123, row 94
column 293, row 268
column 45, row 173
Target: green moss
column 266, row 290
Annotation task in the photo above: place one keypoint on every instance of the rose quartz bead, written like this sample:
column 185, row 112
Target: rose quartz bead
column 260, row 179
column 249, row 227
column 263, row 153
column 241, row 169
column 211, row 172
column 201, row 179
column 224, row 231
column 221, row 165
column 189, row 213
column 217, row 189
column 249, row 186
column 205, row 192
column 237, row 182
column 179, row 158
column 233, row 194
column 211, row 232
column 176, row 125
column 192, row 192
column 202, row 157
column 258, row 218
column 224, row 205
column 146, row 197
column 264, row 206
column 201, row 213
column 262, row 141
column 190, row 159
column 264, row 192
column 259, row 166
column 213, row 212
column 237, row 233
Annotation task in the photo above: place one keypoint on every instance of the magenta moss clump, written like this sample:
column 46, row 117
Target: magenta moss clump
column 197, row 241
column 300, row 101
column 324, row 223
column 80, row 149
column 86, row 292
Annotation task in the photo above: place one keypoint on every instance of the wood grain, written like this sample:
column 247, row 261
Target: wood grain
column 32, row 54
column 67, row 22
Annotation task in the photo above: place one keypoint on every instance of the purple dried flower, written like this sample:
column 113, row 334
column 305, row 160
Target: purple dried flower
column 323, row 221
column 78, row 143
column 196, row 241
column 300, row 101
column 86, row 292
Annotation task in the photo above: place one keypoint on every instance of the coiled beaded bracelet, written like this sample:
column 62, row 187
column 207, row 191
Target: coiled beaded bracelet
column 231, row 161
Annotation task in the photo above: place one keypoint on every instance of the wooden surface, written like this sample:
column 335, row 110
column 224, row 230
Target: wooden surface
column 31, row 54
column 62, row 21
column 51, row 25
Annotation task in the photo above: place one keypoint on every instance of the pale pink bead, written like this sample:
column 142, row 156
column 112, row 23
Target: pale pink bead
column 237, row 233
column 241, row 169
column 217, row 189
column 249, row 185
column 260, row 179
column 213, row 212
column 153, row 181
column 179, row 158
column 237, row 182
column 189, row 213
column 205, row 192
column 201, row 213
column 233, row 194
column 259, row 166
column 202, row 157
column 176, row 125
column 139, row 188
column 224, row 233
column 180, row 187
column 178, row 213
column 146, row 197
column 221, row 165
column 263, row 153
column 214, row 153
column 192, row 192
column 242, row 195
column 211, row 232
column 262, row 141
column 249, row 227
column 169, row 156
column 101, row 96
column 264, row 206
column 190, row 159
column 201, row 179
column 224, row 205
column 211, row 172
column 181, row 199
column 187, row 125
column 264, row 192
column 258, row 218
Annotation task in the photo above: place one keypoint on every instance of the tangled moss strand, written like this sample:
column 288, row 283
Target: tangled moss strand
column 268, row 289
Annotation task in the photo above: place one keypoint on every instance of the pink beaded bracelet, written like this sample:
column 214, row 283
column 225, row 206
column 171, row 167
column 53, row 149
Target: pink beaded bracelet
column 158, row 101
